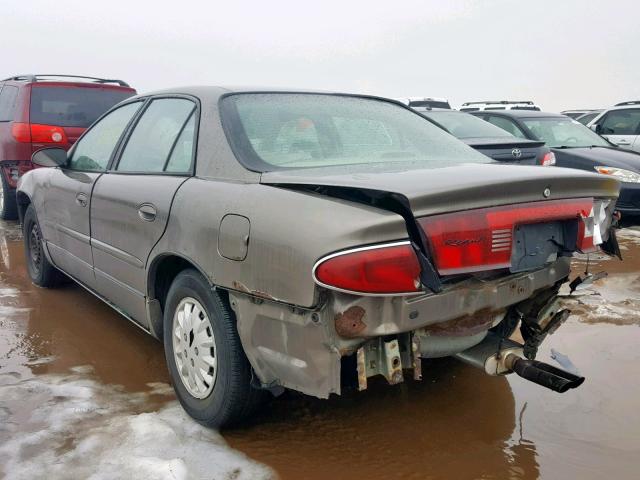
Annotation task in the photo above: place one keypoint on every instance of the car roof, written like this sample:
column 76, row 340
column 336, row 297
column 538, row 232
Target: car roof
column 519, row 113
column 212, row 93
column 64, row 80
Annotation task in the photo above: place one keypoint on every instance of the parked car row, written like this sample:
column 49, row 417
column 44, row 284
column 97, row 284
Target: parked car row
column 304, row 240
column 525, row 135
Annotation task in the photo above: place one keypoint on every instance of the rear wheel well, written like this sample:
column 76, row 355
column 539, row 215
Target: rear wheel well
column 23, row 203
column 162, row 274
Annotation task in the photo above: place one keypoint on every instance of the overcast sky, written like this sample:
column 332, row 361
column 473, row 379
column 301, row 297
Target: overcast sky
column 561, row 54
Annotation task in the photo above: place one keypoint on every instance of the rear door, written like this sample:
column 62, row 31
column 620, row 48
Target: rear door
column 130, row 204
column 622, row 127
column 65, row 223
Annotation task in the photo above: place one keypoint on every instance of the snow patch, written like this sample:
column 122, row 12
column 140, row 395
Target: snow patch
column 71, row 426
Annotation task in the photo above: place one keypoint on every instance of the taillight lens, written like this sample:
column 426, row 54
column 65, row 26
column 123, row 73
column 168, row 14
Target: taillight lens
column 549, row 159
column 380, row 269
column 478, row 240
column 37, row 133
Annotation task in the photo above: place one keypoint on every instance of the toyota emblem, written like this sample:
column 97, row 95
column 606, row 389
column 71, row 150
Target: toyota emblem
column 516, row 152
column 546, row 193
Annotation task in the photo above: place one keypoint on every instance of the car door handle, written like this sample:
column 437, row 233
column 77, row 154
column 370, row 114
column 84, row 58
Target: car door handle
column 623, row 142
column 82, row 199
column 147, row 212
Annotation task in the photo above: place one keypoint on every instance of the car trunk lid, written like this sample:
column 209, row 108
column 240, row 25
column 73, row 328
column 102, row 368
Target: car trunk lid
column 506, row 149
column 449, row 189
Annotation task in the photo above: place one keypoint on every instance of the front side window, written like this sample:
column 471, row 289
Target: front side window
column 8, row 96
column 276, row 131
column 93, row 151
column 154, row 136
column 621, row 122
column 507, row 125
column 563, row 132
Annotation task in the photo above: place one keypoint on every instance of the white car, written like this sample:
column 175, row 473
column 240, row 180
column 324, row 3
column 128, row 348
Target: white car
column 620, row 124
column 425, row 102
column 499, row 105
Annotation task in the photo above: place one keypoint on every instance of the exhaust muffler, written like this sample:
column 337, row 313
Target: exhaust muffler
column 498, row 356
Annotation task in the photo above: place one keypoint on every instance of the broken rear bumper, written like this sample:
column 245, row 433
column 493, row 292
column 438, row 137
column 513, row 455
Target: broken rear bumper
column 385, row 316
column 301, row 349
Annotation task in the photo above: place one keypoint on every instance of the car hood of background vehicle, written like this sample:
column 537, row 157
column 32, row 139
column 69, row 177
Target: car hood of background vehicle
column 447, row 189
column 501, row 142
column 604, row 156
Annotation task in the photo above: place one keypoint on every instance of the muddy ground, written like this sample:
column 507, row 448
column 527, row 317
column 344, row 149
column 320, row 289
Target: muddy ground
column 84, row 393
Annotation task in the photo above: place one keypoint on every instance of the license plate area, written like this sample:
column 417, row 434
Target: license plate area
column 538, row 244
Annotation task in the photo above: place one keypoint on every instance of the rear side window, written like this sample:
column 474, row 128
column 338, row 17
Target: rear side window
column 182, row 154
column 621, row 122
column 507, row 125
column 157, row 132
column 93, row 151
column 72, row 106
column 8, row 97
column 586, row 118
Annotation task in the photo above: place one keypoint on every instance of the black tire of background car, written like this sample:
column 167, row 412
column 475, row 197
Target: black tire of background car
column 233, row 399
column 10, row 205
column 47, row 275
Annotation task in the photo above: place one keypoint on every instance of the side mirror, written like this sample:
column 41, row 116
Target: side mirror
column 596, row 127
column 50, row 157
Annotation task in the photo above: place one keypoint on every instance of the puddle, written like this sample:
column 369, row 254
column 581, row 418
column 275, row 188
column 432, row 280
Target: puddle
column 85, row 394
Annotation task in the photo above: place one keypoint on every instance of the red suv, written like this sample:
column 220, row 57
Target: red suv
column 39, row 111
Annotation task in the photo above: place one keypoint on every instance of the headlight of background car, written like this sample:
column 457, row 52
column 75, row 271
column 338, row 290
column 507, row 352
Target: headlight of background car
column 620, row 173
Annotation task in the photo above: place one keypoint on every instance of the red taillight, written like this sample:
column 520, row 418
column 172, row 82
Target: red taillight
column 549, row 159
column 36, row 133
column 380, row 269
column 478, row 240
column 21, row 132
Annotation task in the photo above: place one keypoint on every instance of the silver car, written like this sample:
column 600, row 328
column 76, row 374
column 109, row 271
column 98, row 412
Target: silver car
column 278, row 240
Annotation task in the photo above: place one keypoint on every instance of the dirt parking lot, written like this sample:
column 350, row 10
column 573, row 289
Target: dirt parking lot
column 85, row 393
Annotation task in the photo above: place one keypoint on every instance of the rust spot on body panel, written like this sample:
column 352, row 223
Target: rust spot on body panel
column 463, row 326
column 350, row 323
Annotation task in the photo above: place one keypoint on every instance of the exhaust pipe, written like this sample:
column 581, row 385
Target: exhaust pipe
column 543, row 374
column 498, row 356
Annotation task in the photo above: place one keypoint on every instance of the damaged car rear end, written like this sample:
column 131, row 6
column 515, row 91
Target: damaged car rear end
column 484, row 250
column 422, row 250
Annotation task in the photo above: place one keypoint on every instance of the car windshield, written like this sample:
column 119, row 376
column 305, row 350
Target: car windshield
column 463, row 125
column 275, row 131
column 73, row 106
column 563, row 132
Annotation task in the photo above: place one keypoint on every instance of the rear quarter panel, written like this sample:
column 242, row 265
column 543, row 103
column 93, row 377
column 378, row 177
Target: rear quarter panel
column 289, row 232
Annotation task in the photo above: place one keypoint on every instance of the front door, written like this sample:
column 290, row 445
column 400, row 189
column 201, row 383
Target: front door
column 621, row 127
column 66, row 224
column 130, row 204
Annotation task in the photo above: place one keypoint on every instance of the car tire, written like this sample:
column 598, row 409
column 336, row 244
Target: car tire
column 8, row 202
column 41, row 271
column 209, row 370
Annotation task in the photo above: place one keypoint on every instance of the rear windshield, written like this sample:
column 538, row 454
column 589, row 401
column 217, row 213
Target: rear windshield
column 72, row 106
column 276, row 131
column 463, row 125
